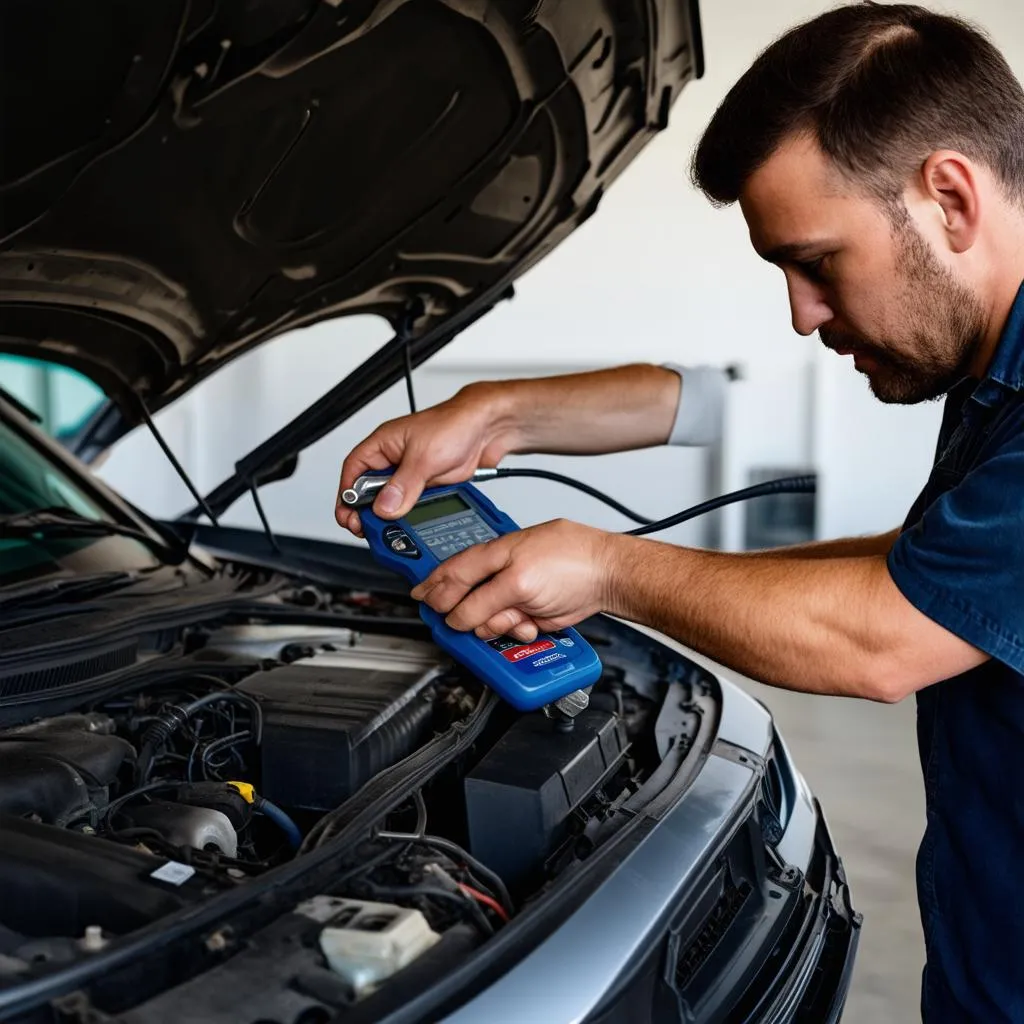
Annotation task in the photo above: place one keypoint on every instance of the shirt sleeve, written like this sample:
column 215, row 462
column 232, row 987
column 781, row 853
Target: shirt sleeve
column 962, row 562
column 701, row 405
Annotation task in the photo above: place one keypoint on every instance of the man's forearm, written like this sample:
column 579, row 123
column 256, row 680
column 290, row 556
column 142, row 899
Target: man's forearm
column 845, row 547
column 820, row 625
column 619, row 409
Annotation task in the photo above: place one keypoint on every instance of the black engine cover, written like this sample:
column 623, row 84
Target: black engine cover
column 58, row 882
column 327, row 729
column 56, row 768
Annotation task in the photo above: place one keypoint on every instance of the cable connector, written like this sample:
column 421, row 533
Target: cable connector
column 441, row 877
column 246, row 789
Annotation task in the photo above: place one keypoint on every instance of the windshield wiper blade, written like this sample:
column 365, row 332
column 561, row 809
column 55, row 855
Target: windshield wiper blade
column 60, row 521
column 44, row 591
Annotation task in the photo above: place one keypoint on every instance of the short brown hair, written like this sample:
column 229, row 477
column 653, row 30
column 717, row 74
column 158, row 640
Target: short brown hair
column 880, row 87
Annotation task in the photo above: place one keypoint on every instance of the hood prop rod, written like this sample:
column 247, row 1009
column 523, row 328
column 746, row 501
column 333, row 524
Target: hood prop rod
column 176, row 465
column 194, row 491
column 254, row 491
column 414, row 311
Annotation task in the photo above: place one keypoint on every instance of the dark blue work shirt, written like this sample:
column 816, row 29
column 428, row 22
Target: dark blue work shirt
column 960, row 560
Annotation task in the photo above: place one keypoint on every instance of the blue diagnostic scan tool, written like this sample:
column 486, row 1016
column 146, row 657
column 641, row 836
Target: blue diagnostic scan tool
column 551, row 670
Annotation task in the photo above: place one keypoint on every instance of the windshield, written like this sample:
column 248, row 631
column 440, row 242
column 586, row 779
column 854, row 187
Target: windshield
column 30, row 480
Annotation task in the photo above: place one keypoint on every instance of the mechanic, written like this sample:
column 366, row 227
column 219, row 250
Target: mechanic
column 877, row 154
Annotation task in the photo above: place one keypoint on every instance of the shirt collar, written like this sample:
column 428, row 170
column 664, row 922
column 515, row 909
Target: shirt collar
column 1007, row 366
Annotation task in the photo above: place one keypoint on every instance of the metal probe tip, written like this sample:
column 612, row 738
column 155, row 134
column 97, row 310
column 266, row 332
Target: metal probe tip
column 365, row 488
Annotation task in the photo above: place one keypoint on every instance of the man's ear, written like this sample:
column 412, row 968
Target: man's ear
column 949, row 179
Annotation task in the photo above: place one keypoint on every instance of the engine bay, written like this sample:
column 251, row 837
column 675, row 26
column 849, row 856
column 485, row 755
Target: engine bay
column 434, row 814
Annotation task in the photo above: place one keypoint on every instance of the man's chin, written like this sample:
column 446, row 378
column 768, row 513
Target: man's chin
column 898, row 389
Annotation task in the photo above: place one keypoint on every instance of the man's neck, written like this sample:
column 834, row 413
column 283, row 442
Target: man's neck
column 1005, row 283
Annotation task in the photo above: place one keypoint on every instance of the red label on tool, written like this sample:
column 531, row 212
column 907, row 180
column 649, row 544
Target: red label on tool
column 527, row 650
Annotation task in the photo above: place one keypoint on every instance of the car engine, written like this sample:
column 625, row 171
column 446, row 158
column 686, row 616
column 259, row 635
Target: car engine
column 256, row 743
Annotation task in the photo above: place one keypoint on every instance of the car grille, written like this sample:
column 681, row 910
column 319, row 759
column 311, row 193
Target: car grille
column 725, row 911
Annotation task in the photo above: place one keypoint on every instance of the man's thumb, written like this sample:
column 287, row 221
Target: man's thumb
column 398, row 496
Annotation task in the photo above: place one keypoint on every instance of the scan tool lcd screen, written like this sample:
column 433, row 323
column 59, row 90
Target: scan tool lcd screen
column 448, row 525
column 446, row 505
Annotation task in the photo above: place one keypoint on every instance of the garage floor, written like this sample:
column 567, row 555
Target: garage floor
column 861, row 761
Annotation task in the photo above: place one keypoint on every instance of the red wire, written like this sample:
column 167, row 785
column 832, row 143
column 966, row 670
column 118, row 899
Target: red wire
column 482, row 897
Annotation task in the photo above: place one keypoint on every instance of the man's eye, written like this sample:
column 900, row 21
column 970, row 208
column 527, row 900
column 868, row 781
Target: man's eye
column 813, row 269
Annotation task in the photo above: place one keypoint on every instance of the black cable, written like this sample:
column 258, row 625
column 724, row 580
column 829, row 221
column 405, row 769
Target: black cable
column 110, row 811
column 231, row 697
column 464, row 902
column 135, row 834
column 175, row 716
column 216, row 746
column 178, row 468
column 458, row 853
column 593, row 492
column 784, row 485
column 388, row 853
column 451, row 743
column 421, row 812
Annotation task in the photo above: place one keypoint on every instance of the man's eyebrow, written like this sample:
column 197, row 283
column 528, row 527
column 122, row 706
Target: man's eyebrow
column 798, row 251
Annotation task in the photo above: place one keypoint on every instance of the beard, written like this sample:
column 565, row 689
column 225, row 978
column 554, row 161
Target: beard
column 943, row 328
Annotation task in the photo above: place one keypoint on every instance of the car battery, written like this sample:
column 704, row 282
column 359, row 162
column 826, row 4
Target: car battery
column 521, row 794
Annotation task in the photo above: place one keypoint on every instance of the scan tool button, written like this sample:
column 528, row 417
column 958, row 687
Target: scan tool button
column 400, row 542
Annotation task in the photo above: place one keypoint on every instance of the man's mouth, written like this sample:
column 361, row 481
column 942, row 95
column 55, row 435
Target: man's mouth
column 846, row 346
column 863, row 358
column 840, row 342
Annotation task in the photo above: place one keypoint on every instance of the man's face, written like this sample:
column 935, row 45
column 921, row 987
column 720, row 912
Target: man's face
column 872, row 289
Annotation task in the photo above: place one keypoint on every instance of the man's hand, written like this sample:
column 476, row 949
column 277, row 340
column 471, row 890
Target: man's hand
column 441, row 445
column 539, row 579
column 583, row 413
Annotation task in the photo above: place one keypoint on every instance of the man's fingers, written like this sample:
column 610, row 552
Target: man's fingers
column 354, row 466
column 342, row 513
column 489, row 600
column 361, row 460
column 526, row 631
column 364, row 457
column 345, row 517
column 501, row 624
column 448, row 584
column 511, row 622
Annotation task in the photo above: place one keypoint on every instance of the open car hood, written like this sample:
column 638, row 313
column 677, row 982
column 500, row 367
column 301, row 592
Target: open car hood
column 182, row 181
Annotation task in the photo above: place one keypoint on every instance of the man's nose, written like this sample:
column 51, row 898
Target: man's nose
column 808, row 305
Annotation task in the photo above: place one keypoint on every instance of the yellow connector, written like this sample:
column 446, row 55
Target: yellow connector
column 247, row 790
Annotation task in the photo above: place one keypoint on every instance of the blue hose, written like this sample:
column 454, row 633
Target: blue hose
column 279, row 818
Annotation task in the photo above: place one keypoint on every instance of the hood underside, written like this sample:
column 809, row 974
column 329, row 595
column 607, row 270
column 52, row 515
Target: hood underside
column 182, row 181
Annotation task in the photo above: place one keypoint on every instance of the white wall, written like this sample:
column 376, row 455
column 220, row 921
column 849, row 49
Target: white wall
column 657, row 275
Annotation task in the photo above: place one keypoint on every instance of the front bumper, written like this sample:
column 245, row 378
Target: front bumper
column 743, row 958
column 733, row 907
column 807, row 977
column 828, row 956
